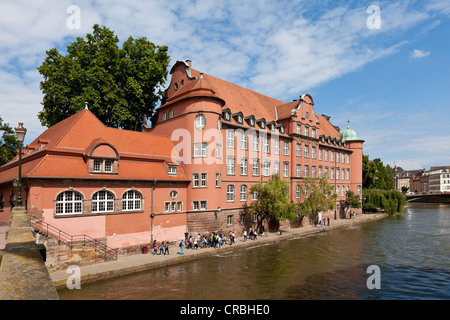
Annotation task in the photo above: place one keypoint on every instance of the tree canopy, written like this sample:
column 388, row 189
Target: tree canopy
column 376, row 175
column 121, row 86
column 319, row 195
column 272, row 201
column 8, row 143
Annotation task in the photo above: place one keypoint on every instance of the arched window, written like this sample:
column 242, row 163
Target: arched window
column 230, row 193
column 103, row 201
column 69, row 202
column 243, row 192
column 131, row 200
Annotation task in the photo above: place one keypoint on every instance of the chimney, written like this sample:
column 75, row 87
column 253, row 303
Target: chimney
column 189, row 63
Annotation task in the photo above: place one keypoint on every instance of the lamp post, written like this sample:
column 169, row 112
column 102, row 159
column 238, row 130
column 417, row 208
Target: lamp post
column 20, row 136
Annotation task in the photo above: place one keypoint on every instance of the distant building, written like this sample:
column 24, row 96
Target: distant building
column 439, row 180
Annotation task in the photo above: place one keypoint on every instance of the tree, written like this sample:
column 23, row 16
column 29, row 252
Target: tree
column 376, row 175
column 8, row 143
column 120, row 86
column 319, row 196
column 272, row 201
column 351, row 201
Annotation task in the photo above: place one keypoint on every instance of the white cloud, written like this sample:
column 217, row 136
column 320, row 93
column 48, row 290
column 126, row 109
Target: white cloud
column 416, row 53
column 279, row 48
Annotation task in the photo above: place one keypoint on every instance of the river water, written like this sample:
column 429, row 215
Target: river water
column 411, row 252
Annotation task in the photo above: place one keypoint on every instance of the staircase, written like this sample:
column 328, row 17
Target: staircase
column 43, row 228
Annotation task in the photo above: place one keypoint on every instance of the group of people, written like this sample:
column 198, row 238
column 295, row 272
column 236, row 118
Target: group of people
column 163, row 248
column 213, row 240
column 324, row 222
column 252, row 234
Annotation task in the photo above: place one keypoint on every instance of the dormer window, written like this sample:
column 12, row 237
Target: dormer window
column 172, row 170
column 226, row 115
column 170, row 114
column 103, row 159
column 164, row 116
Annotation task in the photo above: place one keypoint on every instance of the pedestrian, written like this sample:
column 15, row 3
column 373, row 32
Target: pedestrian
column 245, row 235
column 161, row 248
column 155, row 248
column 328, row 220
column 281, row 230
column 181, row 247
column 195, row 243
column 166, row 248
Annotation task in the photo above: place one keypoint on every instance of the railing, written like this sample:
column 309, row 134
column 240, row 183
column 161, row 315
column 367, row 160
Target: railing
column 50, row 231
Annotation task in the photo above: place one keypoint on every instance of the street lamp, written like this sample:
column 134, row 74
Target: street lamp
column 20, row 136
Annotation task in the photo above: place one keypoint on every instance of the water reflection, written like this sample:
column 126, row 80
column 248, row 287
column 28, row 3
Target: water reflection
column 412, row 251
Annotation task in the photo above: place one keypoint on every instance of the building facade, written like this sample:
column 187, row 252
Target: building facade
column 189, row 172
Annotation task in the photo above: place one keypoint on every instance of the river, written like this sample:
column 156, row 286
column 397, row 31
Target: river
column 411, row 252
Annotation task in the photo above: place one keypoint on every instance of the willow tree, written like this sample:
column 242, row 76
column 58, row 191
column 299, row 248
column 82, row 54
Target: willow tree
column 121, row 86
column 272, row 201
column 318, row 196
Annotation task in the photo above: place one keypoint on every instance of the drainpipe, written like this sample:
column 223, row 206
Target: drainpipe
column 152, row 215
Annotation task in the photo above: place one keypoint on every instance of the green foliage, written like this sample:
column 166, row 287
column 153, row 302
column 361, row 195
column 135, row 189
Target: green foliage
column 273, row 201
column 351, row 201
column 8, row 143
column 390, row 201
column 318, row 196
column 376, row 175
column 120, row 86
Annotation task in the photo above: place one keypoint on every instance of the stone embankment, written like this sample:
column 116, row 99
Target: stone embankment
column 23, row 274
column 141, row 262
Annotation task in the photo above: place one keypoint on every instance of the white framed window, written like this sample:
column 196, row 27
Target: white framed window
column 131, row 200
column 203, row 179
column 298, row 171
column 306, row 131
column 348, row 159
column 195, row 205
column 285, row 169
column 242, row 218
column 244, row 165
column 97, row 165
column 195, row 180
column 170, row 114
column 164, row 116
column 313, row 171
column 348, row 174
column 306, row 151
column 68, row 202
column 203, row 205
column 306, row 171
column 320, row 172
column 358, row 190
column 200, row 149
column 166, row 206
column 276, row 167
column 255, row 195
column 286, row 148
column 255, row 167
column 299, row 150
column 230, row 138
column 332, row 173
column 313, row 152
column 103, row 201
column 320, row 154
column 230, row 165
column 243, row 141
column 230, row 193
column 313, row 132
column 337, row 190
column 266, row 168
column 337, row 173
column 297, row 191
column 243, row 194
column 343, row 174
column 218, row 150
column 229, row 220
column 266, row 145
column 217, row 180
column 172, row 169
column 326, row 155
column 299, row 129
column 255, row 143
column 107, row 165
column 276, row 146
column 200, row 122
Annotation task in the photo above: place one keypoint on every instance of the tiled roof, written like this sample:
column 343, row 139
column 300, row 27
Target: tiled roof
column 69, row 141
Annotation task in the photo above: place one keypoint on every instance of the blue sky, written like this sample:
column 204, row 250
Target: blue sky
column 392, row 83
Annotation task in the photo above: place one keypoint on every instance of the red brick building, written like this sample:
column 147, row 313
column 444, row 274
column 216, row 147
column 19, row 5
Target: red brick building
column 190, row 172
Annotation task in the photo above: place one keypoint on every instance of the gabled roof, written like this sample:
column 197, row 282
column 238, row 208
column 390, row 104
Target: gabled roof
column 68, row 143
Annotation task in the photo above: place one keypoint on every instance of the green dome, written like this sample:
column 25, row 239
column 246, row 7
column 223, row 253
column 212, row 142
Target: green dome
column 349, row 134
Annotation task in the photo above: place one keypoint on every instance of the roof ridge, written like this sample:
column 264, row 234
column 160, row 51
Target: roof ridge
column 79, row 114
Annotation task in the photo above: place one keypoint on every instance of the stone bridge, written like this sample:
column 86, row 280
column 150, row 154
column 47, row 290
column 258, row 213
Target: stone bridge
column 429, row 198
